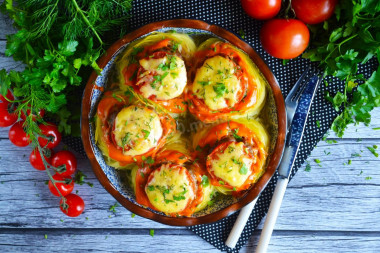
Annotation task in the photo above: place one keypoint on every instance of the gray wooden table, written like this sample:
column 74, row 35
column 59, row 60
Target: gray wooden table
column 334, row 207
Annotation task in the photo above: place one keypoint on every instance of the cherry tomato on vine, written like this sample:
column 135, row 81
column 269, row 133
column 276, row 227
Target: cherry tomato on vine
column 261, row 9
column 53, row 136
column 64, row 189
column 284, row 38
column 41, row 114
column 36, row 161
column 67, row 158
column 7, row 111
column 314, row 11
column 18, row 136
column 74, row 205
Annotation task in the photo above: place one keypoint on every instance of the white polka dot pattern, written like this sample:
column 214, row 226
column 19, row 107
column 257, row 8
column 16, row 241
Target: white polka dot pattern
column 229, row 15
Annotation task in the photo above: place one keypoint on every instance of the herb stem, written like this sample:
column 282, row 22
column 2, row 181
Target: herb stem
column 79, row 10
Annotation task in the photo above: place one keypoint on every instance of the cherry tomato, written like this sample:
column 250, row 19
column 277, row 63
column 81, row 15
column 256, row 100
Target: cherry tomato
column 54, row 136
column 18, row 136
column 36, row 161
column 74, row 205
column 7, row 111
column 284, row 38
column 261, row 9
column 314, row 11
column 41, row 114
column 65, row 158
column 64, row 189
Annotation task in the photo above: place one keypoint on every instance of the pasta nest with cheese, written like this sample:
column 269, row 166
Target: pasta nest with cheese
column 156, row 67
column 224, row 83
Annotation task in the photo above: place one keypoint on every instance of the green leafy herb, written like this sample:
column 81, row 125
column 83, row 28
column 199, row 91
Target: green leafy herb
column 243, row 170
column 146, row 133
column 112, row 208
column 235, row 134
column 220, row 89
column 368, row 178
column 318, row 124
column 317, row 161
column 133, row 215
column 308, row 167
column 373, row 150
column 353, row 39
column 242, row 33
column 151, row 232
column 205, row 181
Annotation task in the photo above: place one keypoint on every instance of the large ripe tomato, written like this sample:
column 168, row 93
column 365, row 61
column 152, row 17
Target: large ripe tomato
column 314, row 11
column 7, row 111
column 65, row 158
column 53, row 136
column 18, row 136
column 74, row 205
column 284, row 38
column 36, row 161
column 64, row 189
column 261, row 9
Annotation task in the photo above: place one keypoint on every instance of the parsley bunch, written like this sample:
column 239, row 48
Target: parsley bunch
column 56, row 40
column 354, row 38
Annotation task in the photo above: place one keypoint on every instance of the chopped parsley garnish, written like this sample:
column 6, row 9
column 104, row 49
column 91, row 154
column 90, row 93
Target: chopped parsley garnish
column 243, row 170
column 349, row 162
column 356, row 155
column 368, row 178
column 175, row 47
column 373, row 150
column 133, row 215
column 149, row 160
column 317, row 161
column 146, row 133
column 234, row 189
column 205, row 181
column 204, row 83
column 242, row 33
column 221, row 182
column 318, row 124
column 376, row 128
column 116, row 97
column 151, row 188
column 308, row 167
column 331, row 141
column 112, row 208
column 220, row 89
column 151, row 232
column 125, row 139
column 235, row 134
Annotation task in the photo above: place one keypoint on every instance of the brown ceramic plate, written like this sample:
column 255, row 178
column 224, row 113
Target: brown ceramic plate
column 109, row 177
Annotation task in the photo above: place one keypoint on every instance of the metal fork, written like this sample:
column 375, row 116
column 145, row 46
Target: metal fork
column 291, row 102
column 295, row 93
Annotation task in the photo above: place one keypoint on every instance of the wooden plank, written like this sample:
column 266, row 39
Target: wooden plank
column 335, row 193
column 6, row 26
column 121, row 240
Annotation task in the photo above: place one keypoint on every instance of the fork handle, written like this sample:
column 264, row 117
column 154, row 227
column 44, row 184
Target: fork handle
column 271, row 218
column 240, row 223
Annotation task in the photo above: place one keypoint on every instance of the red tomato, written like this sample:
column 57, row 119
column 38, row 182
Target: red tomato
column 54, row 136
column 314, row 11
column 36, row 161
column 18, row 136
column 74, row 205
column 41, row 114
column 64, row 189
column 65, row 158
column 261, row 9
column 7, row 115
column 284, row 38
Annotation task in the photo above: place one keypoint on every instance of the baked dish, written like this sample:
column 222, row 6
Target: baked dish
column 175, row 165
column 225, row 83
column 156, row 68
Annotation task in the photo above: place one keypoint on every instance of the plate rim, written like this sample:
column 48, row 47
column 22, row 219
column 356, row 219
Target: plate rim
column 264, row 69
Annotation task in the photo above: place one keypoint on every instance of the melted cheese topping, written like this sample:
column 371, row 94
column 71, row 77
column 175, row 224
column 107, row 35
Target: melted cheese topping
column 169, row 189
column 233, row 166
column 137, row 130
column 169, row 77
column 216, row 83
